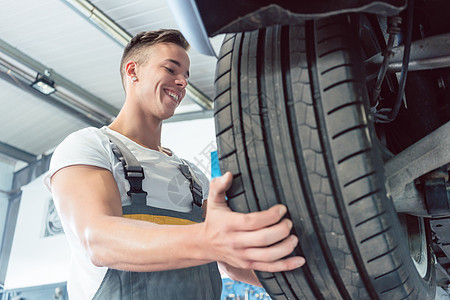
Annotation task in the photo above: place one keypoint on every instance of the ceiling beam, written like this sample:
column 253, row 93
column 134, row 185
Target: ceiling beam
column 17, row 153
column 29, row 173
column 117, row 33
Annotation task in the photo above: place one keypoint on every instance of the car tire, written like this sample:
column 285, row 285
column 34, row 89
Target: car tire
column 292, row 125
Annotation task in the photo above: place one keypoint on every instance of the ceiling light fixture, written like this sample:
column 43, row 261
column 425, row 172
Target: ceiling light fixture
column 43, row 84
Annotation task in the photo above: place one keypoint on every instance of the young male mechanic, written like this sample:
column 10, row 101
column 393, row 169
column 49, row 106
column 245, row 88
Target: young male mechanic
column 124, row 256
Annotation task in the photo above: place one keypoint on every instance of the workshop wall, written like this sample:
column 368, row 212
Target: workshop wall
column 38, row 257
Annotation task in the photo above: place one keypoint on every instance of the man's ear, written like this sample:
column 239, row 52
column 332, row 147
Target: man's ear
column 130, row 69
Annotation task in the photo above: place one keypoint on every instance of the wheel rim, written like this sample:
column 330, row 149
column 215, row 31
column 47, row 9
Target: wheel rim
column 417, row 242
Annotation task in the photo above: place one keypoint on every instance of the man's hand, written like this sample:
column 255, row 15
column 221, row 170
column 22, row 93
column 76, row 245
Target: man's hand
column 257, row 240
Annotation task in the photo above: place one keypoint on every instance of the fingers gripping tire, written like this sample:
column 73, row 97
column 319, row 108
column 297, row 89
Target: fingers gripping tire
column 292, row 127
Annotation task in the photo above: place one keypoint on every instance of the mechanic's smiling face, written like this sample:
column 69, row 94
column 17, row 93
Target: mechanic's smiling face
column 162, row 80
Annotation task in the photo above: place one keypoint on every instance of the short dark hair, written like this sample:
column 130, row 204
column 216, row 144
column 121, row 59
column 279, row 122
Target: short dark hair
column 140, row 42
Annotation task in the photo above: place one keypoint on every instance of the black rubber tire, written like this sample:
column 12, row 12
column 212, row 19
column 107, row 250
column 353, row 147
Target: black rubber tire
column 292, row 127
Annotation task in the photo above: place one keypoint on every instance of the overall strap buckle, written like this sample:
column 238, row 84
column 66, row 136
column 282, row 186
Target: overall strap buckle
column 133, row 170
column 135, row 175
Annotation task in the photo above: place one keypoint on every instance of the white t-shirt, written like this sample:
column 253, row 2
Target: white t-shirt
column 166, row 186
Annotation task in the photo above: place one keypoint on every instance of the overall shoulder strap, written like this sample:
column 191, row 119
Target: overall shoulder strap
column 194, row 183
column 133, row 170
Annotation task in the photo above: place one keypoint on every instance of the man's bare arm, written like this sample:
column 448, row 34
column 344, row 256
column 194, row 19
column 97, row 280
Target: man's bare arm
column 89, row 203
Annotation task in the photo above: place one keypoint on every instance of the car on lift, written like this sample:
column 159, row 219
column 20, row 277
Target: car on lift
column 339, row 110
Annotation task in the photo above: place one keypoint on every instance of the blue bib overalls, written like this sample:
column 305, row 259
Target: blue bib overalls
column 199, row 282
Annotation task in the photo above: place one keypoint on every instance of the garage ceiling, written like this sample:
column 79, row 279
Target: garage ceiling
column 83, row 60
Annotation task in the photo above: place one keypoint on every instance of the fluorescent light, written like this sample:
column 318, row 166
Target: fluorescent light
column 43, row 84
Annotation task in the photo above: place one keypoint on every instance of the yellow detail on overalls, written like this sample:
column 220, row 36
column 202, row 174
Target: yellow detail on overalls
column 162, row 220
